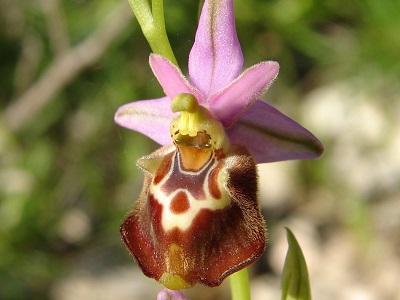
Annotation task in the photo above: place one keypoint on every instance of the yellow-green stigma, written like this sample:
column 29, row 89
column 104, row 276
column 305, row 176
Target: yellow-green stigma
column 195, row 126
column 187, row 105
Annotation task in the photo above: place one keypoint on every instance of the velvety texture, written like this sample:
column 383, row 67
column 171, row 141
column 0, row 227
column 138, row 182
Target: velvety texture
column 193, row 224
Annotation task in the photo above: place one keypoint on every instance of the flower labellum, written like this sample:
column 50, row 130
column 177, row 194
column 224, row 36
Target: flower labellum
column 197, row 218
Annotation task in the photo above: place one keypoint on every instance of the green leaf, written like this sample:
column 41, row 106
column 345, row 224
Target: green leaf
column 295, row 281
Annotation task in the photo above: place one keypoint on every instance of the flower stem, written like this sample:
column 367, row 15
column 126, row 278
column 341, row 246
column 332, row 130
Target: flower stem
column 240, row 286
column 152, row 22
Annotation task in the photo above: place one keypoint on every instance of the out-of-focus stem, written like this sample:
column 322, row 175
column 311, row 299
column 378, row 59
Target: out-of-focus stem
column 152, row 22
column 240, row 286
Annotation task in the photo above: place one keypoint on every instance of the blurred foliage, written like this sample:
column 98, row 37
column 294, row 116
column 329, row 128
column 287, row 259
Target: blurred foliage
column 72, row 167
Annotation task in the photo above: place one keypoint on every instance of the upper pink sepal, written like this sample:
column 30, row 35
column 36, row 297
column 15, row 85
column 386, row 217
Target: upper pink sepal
column 216, row 57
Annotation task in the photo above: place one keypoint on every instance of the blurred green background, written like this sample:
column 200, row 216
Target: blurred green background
column 68, row 175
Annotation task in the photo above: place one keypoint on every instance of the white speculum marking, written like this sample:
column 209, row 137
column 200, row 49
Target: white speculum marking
column 183, row 220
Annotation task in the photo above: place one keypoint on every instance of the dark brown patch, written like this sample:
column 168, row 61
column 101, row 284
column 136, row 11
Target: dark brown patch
column 191, row 181
column 213, row 184
column 180, row 203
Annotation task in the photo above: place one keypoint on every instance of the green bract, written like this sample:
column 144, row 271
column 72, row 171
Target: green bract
column 295, row 281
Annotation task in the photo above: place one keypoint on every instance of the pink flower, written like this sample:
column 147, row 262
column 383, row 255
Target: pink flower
column 215, row 63
column 167, row 294
column 197, row 218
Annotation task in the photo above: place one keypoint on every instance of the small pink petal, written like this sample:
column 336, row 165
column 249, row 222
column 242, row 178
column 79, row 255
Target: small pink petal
column 167, row 294
column 216, row 57
column 271, row 136
column 228, row 104
column 171, row 78
column 149, row 117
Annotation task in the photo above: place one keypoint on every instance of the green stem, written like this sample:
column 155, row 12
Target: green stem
column 153, row 26
column 240, row 286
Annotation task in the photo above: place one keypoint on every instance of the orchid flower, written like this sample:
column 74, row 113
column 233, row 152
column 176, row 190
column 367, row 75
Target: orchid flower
column 215, row 63
column 197, row 219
